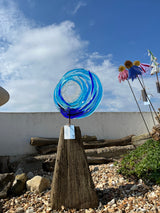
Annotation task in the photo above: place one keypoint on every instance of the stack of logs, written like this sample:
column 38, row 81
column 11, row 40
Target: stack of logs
column 97, row 151
column 156, row 132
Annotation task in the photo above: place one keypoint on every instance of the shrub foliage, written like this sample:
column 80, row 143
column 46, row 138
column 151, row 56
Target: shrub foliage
column 143, row 162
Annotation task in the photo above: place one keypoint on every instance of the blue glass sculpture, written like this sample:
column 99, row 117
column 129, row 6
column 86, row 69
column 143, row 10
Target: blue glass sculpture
column 78, row 93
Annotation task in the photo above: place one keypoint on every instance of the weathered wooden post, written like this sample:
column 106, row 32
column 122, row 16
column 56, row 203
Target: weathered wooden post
column 72, row 185
column 77, row 95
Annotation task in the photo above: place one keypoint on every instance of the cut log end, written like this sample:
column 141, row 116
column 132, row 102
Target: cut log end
column 38, row 141
column 156, row 132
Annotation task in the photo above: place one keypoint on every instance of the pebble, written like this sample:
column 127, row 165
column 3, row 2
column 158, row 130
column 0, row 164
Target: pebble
column 111, row 165
column 19, row 210
column 116, row 194
column 30, row 175
column 95, row 169
column 140, row 181
column 30, row 210
column 19, row 171
column 134, row 187
column 111, row 202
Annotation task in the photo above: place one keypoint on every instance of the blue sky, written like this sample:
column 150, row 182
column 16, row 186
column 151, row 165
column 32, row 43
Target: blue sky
column 40, row 40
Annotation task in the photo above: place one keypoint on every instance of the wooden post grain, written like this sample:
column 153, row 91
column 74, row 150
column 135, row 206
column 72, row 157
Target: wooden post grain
column 72, row 185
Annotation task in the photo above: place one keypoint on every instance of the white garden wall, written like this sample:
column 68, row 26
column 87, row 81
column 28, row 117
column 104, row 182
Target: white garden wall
column 16, row 129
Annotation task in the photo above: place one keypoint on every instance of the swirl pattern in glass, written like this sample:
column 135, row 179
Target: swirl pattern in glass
column 78, row 93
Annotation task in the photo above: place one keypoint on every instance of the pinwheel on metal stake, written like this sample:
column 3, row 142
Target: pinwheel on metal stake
column 146, row 103
column 126, row 75
column 155, row 69
column 145, row 69
column 133, row 73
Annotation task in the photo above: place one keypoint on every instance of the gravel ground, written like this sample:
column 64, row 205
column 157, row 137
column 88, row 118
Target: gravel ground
column 116, row 194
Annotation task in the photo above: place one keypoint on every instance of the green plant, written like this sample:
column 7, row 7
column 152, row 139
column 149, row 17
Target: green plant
column 143, row 162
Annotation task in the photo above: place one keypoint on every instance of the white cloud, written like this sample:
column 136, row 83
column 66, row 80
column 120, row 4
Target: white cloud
column 78, row 6
column 11, row 19
column 33, row 59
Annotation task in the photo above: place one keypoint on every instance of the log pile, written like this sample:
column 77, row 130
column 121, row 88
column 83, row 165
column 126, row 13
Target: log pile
column 49, row 145
column 140, row 139
column 156, row 132
column 97, row 151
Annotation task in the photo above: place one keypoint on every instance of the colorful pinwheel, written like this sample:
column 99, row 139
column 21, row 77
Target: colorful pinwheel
column 145, row 68
column 155, row 69
column 123, row 74
column 135, row 70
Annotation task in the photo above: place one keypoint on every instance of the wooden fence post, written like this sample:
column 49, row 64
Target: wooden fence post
column 72, row 185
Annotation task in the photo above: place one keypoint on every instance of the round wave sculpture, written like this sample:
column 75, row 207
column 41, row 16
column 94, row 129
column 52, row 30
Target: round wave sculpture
column 78, row 93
